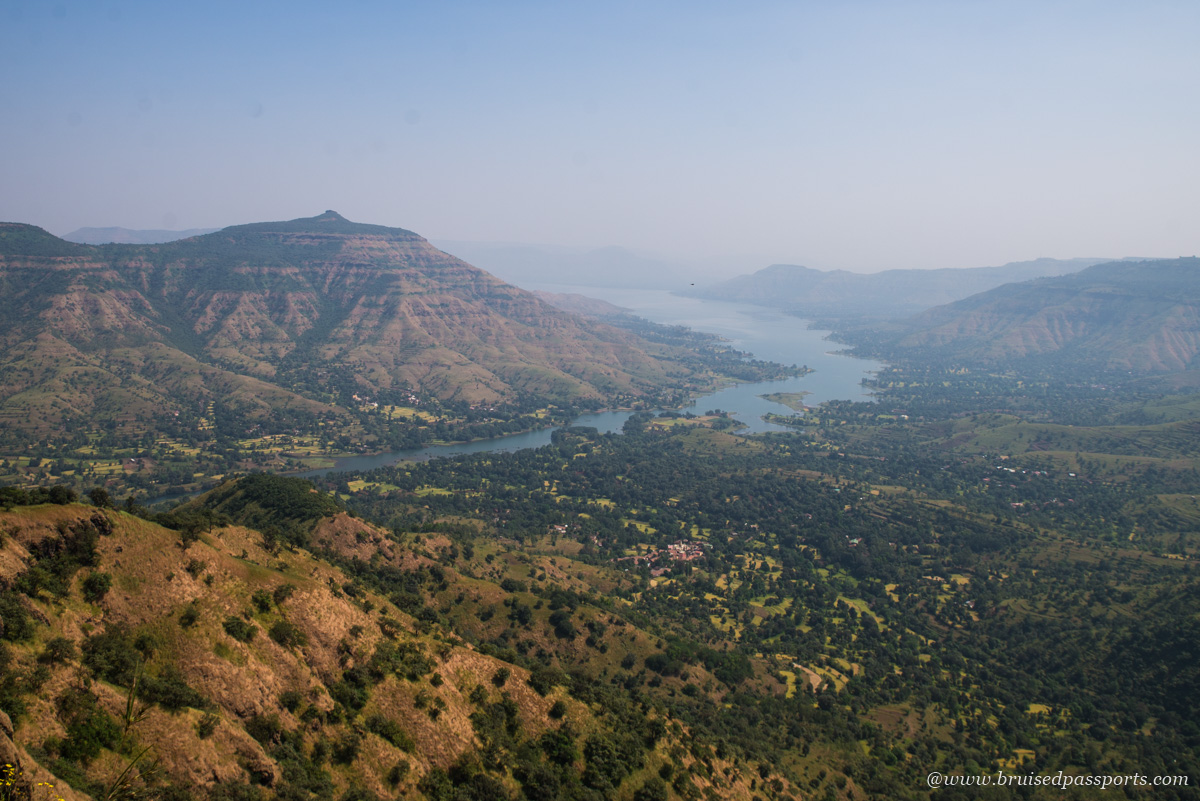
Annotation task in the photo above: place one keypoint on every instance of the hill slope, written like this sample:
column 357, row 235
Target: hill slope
column 284, row 319
column 205, row 661
column 1142, row 317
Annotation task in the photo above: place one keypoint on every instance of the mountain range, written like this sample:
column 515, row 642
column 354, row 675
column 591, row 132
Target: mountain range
column 290, row 318
column 842, row 295
column 916, row 587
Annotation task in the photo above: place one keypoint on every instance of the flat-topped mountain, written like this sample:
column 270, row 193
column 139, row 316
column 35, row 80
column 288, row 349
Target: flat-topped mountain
column 1141, row 317
column 293, row 318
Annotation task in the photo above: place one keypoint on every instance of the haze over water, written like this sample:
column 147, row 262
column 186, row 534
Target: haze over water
column 766, row 334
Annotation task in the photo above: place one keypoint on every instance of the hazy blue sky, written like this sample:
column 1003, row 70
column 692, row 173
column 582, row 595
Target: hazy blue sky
column 859, row 135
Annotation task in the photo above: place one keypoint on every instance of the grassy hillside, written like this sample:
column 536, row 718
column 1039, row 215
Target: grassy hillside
column 1122, row 317
column 218, row 662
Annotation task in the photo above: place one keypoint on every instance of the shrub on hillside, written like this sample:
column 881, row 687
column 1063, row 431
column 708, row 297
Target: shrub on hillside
column 112, row 656
column 239, row 629
column 288, row 635
column 96, row 586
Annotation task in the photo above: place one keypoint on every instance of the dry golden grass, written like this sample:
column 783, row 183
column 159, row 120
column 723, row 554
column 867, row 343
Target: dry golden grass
column 156, row 579
column 153, row 586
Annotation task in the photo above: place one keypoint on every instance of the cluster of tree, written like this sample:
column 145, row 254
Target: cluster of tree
column 927, row 602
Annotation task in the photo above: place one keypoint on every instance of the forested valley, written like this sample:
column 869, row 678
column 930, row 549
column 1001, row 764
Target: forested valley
column 977, row 573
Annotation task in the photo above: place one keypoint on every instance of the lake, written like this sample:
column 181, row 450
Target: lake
column 765, row 333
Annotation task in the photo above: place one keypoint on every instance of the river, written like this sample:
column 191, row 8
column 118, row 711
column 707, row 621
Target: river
column 766, row 333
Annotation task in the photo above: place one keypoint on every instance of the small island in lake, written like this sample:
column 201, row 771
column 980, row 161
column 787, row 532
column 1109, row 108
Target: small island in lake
column 792, row 400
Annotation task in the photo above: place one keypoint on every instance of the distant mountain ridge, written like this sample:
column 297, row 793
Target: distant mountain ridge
column 131, row 236
column 1141, row 317
column 840, row 294
column 284, row 318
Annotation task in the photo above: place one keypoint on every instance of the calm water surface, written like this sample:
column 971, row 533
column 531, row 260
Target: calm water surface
column 765, row 333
